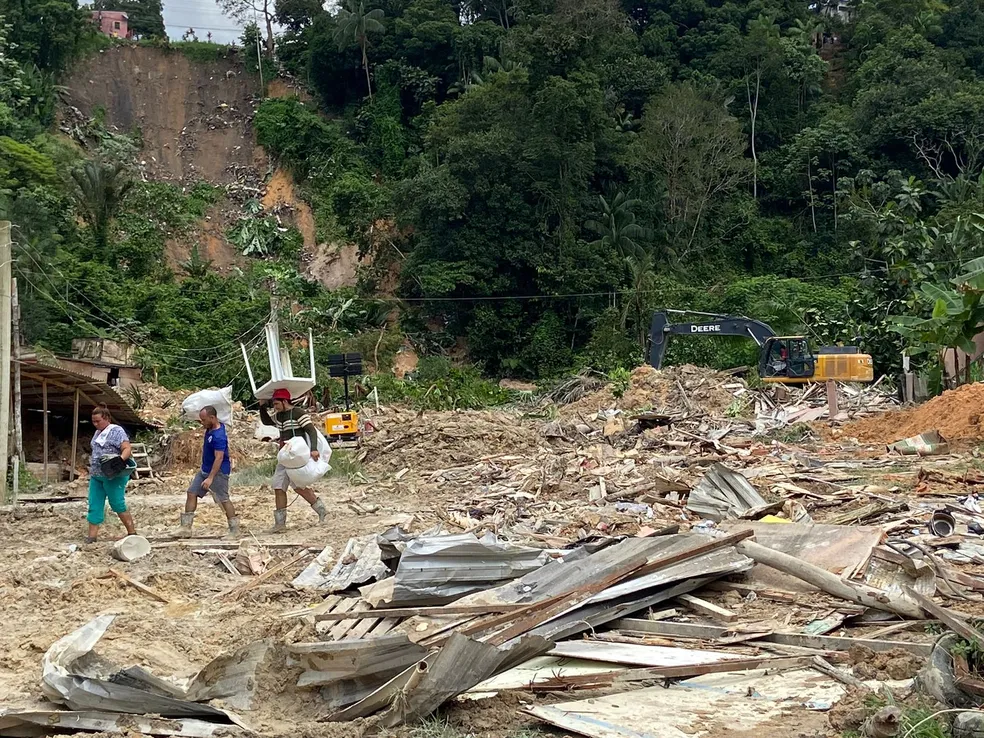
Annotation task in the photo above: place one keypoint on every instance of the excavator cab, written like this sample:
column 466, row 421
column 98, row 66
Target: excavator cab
column 786, row 357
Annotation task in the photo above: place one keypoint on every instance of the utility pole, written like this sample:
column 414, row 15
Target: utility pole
column 16, row 351
column 4, row 354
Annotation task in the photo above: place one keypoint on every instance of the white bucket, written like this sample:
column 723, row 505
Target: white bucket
column 131, row 548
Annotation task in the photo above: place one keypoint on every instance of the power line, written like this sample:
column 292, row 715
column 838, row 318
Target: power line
column 191, row 363
column 109, row 319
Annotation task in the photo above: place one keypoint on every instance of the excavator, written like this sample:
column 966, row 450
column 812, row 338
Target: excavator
column 782, row 359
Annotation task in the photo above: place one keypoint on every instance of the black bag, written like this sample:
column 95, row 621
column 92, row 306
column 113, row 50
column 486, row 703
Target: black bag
column 112, row 466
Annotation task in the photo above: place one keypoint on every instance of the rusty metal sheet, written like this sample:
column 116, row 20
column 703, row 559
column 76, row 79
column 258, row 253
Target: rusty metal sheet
column 840, row 549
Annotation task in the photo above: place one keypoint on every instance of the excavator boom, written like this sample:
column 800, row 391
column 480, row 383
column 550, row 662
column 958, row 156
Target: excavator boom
column 723, row 325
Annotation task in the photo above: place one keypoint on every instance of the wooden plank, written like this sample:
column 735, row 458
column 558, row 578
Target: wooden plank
column 637, row 654
column 48, row 499
column 343, row 626
column 820, row 643
column 897, row 627
column 139, row 586
column 703, row 607
column 409, row 612
column 825, row 667
column 172, row 542
column 663, row 614
column 384, row 626
column 75, row 438
column 948, row 618
column 241, row 589
column 628, row 676
column 777, row 595
column 361, row 628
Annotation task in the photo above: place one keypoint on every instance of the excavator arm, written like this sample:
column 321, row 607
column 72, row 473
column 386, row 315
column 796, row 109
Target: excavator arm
column 722, row 325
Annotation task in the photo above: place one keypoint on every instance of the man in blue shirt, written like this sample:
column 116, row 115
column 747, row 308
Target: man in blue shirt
column 213, row 476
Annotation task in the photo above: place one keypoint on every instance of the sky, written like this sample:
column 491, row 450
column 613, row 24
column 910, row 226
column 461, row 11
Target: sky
column 203, row 16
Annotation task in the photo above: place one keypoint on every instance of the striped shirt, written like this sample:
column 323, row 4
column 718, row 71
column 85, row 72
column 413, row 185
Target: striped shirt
column 294, row 421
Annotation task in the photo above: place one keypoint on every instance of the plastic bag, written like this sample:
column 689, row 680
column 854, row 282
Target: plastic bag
column 294, row 454
column 266, row 433
column 310, row 473
column 221, row 400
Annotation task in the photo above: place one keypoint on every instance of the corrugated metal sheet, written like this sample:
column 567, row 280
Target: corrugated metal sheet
column 458, row 666
column 62, row 385
column 73, row 675
column 441, row 568
column 723, row 493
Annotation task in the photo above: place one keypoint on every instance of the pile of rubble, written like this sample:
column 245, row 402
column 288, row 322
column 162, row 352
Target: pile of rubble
column 956, row 414
column 678, row 543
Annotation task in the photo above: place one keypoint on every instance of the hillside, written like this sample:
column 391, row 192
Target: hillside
column 531, row 185
column 193, row 117
column 194, row 120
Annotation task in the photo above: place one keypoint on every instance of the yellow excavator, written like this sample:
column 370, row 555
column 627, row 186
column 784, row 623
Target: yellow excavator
column 782, row 359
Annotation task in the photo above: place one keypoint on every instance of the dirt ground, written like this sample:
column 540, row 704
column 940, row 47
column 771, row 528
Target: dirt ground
column 464, row 470
column 955, row 414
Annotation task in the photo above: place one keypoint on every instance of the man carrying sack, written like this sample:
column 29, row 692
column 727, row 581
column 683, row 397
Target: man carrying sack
column 213, row 476
column 292, row 422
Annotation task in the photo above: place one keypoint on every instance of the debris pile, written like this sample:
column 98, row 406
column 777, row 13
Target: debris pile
column 956, row 414
column 673, row 390
column 602, row 549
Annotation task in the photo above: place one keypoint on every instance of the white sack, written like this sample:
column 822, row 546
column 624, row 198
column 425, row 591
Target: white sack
column 310, row 473
column 294, row 454
column 266, row 433
column 221, row 400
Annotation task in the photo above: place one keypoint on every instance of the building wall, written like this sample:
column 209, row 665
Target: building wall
column 112, row 23
column 99, row 373
column 103, row 350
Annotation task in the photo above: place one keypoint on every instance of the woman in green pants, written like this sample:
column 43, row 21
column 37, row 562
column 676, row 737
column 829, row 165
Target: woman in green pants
column 109, row 440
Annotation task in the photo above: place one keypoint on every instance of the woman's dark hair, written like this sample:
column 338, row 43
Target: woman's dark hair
column 103, row 412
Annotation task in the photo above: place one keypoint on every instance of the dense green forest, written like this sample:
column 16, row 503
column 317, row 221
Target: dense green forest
column 543, row 174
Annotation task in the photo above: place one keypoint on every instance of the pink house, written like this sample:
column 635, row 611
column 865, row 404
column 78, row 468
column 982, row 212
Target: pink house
column 112, row 23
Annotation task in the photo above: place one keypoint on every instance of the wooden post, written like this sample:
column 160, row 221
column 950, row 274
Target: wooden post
column 75, row 438
column 4, row 354
column 16, row 348
column 832, row 407
column 44, row 410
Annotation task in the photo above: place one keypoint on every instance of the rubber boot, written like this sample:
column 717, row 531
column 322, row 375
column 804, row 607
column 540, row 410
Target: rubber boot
column 187, row 520
column 279, row 521
column 233, row 528
column 319, row 507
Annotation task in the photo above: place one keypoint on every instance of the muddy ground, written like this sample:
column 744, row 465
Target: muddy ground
column 436, row 468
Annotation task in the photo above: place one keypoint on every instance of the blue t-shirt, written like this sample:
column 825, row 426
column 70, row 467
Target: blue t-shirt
column 216, row 440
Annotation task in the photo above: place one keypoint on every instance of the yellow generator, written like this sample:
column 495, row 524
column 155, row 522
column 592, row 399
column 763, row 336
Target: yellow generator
column 342, row 428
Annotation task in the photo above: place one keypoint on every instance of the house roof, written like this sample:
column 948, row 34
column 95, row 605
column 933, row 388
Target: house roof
column 62, row 385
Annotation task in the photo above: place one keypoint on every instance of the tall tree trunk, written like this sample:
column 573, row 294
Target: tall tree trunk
column 269, row 27
column 365, row 65
column 755, row 161
column 753, row 103
column 809, row 179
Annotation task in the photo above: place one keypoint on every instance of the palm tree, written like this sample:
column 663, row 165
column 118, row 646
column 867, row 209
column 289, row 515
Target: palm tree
column 99, row 190
column 617, row 226
column 355, row 23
